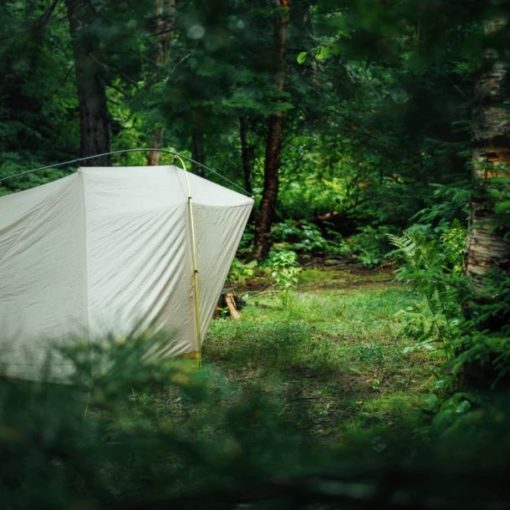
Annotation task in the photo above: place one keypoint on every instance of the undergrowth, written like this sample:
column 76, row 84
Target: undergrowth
column 316, row 404
column 468, row 321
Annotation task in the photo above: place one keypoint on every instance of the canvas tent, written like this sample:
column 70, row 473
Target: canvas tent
column 109, row 250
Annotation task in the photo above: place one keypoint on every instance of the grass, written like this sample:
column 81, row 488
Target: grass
column 336, row 354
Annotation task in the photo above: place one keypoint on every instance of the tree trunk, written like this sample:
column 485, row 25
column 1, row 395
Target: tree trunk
column 154, row 157
column 246, row 154
column 163, row 28
column 197, row 149
column 91, row 88
column 274, row 141
column 487, row 249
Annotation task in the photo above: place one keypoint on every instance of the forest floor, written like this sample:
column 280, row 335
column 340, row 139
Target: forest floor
column 337, row 354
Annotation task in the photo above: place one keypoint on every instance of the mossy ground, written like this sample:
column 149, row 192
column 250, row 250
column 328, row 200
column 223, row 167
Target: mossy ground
column 336, row 354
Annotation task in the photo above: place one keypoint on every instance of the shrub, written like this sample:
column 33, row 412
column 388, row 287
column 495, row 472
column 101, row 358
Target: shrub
column 472, row 327
column 241, row 272
column 431, row 261
column 306, row 238
column 284, row 272
column 370, row 245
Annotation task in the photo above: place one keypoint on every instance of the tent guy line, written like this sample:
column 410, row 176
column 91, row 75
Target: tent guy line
column 127, row 151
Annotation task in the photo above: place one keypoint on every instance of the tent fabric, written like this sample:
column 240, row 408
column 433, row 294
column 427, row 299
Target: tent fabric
column 108, row 251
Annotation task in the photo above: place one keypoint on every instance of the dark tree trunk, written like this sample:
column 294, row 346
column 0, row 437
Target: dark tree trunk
column 156, row 142
column 197, row 149
column 164, row 22
column 246, row 154
column 301, row 22
column 91, row 89
column 271, row 184
column 262, row 241
column 487, row 249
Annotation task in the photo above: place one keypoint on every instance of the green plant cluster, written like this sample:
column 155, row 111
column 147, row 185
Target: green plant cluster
column 285, row 270
column 241, row 272
column 306, row 238
column 369, row 246
column 472, row 331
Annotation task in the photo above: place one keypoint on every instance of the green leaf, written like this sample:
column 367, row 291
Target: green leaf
column 463, row 407
column 301, row 58
column 323, row 53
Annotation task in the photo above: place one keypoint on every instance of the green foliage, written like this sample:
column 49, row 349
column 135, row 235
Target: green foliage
column 305, row 238
column 432, row 261
column 446, row 204
column 127, row 429
column 241, row 272
column 483, row 356
column 469, row 325
column 430, row 254
column 500, row 194
column 358, row 138
column 370, row 245
column 285, row 270
column 37, row 101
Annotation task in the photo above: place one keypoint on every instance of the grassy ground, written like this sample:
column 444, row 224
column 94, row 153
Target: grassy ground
column 335, row 354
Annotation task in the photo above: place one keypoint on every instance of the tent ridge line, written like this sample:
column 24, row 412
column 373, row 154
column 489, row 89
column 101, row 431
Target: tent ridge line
column 126, row 151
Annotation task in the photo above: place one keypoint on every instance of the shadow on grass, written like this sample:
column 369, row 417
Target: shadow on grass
column 163, row 434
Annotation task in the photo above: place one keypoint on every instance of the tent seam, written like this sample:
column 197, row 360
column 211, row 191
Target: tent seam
column 86, row 278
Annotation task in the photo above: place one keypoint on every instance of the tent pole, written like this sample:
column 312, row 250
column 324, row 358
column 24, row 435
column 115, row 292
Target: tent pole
column 196, row 286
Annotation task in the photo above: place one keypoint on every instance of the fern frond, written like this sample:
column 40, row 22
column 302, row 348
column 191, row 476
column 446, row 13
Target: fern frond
column 404, row 244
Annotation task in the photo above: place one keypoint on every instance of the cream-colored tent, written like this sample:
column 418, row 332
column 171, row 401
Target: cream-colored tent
column 110, row 250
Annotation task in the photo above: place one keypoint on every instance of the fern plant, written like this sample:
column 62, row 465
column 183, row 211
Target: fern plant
column 432, row 263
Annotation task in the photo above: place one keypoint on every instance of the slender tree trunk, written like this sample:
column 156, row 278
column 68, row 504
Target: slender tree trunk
column 197, row 147
column 246, row 154
column 262, row 241
column 156, row 142
column 487, row 248
column 163, row 28
column 91, row 88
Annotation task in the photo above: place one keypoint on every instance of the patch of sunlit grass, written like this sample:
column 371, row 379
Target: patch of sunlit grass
column 339, row 351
